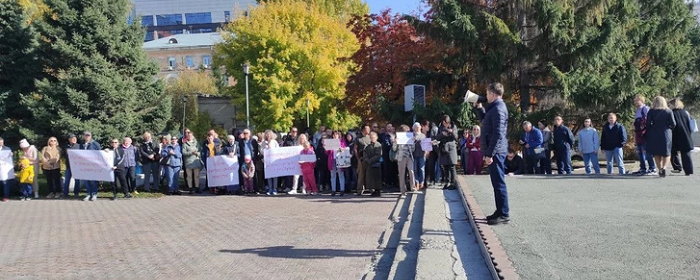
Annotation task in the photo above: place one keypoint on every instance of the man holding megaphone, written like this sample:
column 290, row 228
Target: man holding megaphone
column 494, row 145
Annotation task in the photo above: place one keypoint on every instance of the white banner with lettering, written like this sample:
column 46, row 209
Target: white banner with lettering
column 91, row 165
column 7, row 167
column 222, row 171
column 282, row 161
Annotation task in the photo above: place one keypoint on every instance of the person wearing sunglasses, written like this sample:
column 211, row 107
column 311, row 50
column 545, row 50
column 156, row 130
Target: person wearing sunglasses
column 51, row 165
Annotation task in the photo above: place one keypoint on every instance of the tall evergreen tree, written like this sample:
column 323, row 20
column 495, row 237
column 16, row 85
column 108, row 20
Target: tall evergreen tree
column 99, row 77
column 18, row 68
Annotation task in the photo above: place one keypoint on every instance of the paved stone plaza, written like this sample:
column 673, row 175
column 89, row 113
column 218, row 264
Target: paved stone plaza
column 290, row 237
column 606, row 227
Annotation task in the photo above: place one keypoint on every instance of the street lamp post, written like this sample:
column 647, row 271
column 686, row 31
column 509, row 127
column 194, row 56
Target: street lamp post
column 246, row 70
column 307, row 113
column 184, row 112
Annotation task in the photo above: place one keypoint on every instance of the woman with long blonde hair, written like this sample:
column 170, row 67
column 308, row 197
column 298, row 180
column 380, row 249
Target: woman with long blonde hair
column 658, row 137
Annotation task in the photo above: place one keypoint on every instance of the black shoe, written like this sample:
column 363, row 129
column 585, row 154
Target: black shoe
column 113, row 198
column 333, row 194
column 675, row 171
column 376, row 194
column 445, row 187
column 499, row 220
column 450, row 187
column 342, row 194
column 492, row 216
column 662, row 173
column 128, row 195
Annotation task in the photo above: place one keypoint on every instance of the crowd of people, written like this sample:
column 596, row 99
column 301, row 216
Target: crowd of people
column 371, row 159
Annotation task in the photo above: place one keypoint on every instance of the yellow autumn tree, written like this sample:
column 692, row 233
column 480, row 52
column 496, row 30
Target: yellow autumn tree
column 299, row 59
column 34, row 8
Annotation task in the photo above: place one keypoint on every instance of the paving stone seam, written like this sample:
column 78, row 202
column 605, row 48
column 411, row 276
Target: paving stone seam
column 383, row 245
column 501, row 266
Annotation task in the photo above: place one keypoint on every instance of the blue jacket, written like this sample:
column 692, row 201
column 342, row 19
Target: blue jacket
column 588, row 141
column 93, row 145
column 534, row 139
column 614, row 137
column 494, row 127
column 129, row 154
column 563, row 138
column 176, row 158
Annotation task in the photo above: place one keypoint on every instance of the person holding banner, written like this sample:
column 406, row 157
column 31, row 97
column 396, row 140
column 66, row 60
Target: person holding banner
column 419, row 156
column 51, row 165
column 307, row 167
column 211, row 148
column 231, row 149
column 336, row 172
column 68, row 176
column 172, row 155
column 32, row 154
column 91, row 186
column 193, row 163
column 119, row 170
column 6, row 160
column 292, row 182
column 267, row 144
column 404, row 157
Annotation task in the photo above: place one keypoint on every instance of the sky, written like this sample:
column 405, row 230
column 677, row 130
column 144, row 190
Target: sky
column 397, row 6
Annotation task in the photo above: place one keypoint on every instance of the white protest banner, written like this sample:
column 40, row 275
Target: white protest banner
column 91, row 165
column 282, row 161
column 307, row 158
column 7, row 167
column 403, row 138
column 331, row 144
column 426, row 144
column 222, row 171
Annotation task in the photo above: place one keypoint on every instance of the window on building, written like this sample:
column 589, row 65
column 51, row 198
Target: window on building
column 172, row 19
column 176, row 31
column 189, row 61
column 227, row 16
column 171, row 62
column 147, row 20
column 206, row 60
column 149, row 36
column 195, row 18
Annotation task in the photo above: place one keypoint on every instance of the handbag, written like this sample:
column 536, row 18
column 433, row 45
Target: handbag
column 693, row 123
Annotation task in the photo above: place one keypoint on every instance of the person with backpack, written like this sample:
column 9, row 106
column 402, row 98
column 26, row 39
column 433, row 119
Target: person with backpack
column 640, row 123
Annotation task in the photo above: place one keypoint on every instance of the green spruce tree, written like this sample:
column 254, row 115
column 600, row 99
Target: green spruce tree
column 99, row 78
column 18, row 68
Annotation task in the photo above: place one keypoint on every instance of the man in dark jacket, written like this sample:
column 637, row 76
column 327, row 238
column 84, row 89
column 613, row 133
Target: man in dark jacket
column 640, row 123
column 494, row 147
column 532, row 142
column 91, row 186
column 514, row 163
column 129, row 154
column 148, row 153
column 613, row 139
column 563, row 141
column 72, row 144
column 248, row 147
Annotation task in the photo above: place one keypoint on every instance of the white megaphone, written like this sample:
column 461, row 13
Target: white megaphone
column 471, row 97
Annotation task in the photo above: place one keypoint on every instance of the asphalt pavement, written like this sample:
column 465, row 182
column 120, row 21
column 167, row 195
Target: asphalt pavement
column 600, row 227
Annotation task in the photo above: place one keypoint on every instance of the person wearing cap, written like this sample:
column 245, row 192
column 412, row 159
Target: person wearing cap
column 91, row 186
column 68, row 176
column 149, row 152
column 32, row 154
column 6, row 185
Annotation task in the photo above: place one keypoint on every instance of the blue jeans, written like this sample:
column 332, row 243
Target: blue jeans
column 465, row 160
column 337, row 173
column 591, row 158
column 26, row 190
column 6, row 187
column 351, row 177
column 564, row 160
column 66, row 184
column 438, row 171
column 616, row 155
column 419, row 169
column 645, row 158
column 90, row 186
column 498, row 181
column 173, row 175
column 272, row 185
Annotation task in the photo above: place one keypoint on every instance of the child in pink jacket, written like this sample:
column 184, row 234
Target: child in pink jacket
column 248, row 172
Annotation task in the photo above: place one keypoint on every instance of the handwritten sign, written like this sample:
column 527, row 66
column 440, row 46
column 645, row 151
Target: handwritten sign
column 91, row 165
column 331, row 144
column 282, row 161
column 403, row 138
column 222, row 171
column 426, row 144
column 7, row 168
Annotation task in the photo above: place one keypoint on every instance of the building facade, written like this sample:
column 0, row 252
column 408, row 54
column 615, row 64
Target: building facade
column 182, row 52
column 163, row 18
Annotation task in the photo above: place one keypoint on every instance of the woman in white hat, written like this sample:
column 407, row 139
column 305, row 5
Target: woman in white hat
column 31, row 153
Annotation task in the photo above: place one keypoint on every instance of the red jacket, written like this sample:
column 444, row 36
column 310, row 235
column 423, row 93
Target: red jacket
column 476, row 144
